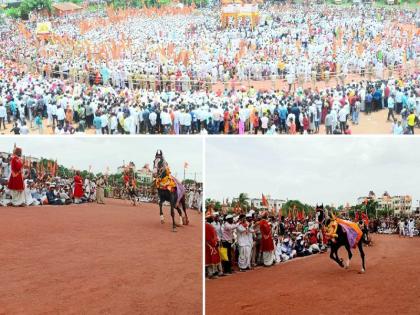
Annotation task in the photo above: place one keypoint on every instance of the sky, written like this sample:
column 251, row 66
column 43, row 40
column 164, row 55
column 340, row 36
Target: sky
column 332, row 170
column 103, row 152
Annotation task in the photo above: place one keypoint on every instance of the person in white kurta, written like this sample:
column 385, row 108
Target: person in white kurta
column 411, row 227
column 245, row 245
column 29, row 201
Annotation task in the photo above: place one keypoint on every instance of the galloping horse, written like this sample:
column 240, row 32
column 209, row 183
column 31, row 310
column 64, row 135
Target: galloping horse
column 338, row 235
column 171, row 193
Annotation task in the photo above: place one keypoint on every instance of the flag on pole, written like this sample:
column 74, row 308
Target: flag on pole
column 264, row 201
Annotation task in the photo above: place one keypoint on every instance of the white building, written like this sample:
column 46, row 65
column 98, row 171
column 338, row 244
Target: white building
column 393, row 204
column 415, row 206
column 273, row 203
column 145, row 176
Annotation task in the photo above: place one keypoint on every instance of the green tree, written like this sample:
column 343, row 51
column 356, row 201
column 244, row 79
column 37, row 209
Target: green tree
column 243, row 201
column 13, row 12
column 291, row 204
column 27, row 6
column 188, row 182
column 73, row 1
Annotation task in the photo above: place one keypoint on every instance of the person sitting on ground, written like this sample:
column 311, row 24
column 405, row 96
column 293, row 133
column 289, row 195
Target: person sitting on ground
column 52, row 197
column 287, row 251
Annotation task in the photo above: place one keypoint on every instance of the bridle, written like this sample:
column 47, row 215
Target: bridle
column 160, row 166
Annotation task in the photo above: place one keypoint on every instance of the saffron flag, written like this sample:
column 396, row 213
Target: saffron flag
column 264, row 201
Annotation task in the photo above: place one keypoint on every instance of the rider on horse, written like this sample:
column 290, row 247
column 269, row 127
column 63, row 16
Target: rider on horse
column 169, row 189
column 363, row 221
column 164, row 180
column 331, row 232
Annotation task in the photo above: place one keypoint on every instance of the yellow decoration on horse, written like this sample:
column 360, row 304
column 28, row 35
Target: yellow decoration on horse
column 166, row 182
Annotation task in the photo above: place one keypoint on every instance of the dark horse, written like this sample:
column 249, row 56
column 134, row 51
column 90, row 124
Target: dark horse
column 341, row 240
column 160, row 172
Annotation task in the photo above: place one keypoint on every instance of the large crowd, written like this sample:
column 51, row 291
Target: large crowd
column 178, row 74
column 246, row 241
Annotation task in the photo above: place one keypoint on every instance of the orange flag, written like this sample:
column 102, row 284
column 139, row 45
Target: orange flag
column 264, row 201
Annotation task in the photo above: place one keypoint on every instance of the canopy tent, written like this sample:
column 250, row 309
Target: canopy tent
column 239, row 12
column 64, row 8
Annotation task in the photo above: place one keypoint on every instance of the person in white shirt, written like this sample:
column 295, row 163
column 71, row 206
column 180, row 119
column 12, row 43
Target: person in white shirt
column 187, row 120
column 166, row 121
column 29, row 201
column 3, row 115
column 401, row 227
column 411, row 227
column 264, row 124
column 342, row 116
column 24, row 130
column 244, row 229
column 104, row 123
column 152, row 120
column 61, row 115
column 54, row 114
column 113, row 124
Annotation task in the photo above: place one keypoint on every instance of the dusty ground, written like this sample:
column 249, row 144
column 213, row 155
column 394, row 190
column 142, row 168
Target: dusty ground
column 317, row 285
column 98, row 259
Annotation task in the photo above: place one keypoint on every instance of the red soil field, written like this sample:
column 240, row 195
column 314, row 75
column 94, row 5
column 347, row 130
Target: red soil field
column 99, row 259
column 317, row 285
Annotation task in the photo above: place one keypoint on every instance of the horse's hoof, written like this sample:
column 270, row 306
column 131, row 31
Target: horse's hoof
column 185, row 221
column 181, row 221
column 362, row 271
column 162, row 219
column 174, row 229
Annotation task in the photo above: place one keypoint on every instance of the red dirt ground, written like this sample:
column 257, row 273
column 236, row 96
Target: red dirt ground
column 99, row 259
column 317, row 285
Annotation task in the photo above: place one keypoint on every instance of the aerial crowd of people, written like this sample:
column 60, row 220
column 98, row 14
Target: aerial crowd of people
column 300, row 68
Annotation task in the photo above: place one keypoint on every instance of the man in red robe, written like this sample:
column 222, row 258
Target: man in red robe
column 78, row 188
column 15, row 183
column 212, row 249
column 267, row 244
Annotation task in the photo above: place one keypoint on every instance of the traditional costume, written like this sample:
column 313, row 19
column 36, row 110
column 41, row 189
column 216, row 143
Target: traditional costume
column 15, row 184
column 245, row 242
column 212, row 251
column 100, row 192
column 267, row 244
column 78, row 189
